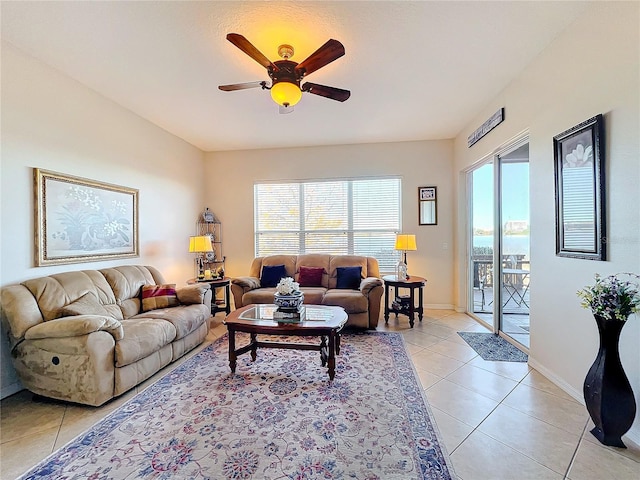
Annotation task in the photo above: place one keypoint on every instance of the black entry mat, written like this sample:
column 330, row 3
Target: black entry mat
column 493, row 348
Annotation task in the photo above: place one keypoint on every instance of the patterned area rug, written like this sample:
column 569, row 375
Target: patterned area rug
column 277, row 418
column 493, row 347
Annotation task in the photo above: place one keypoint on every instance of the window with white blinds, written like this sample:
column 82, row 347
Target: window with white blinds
column 358, row 217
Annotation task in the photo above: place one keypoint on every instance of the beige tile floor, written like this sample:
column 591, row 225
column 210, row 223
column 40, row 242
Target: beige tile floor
column 498, row 420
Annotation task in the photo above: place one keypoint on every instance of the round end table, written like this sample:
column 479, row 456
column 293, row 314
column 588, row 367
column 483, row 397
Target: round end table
column 407, row 305
column 216, row 283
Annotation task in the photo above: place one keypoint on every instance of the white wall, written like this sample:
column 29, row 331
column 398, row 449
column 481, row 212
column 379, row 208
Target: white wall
column 590, row 68
column 427, row 163
column 53, row 122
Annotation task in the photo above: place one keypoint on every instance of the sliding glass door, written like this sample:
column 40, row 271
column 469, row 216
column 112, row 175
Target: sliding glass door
column 514, row 244
column 481, row 181
column 499, row 261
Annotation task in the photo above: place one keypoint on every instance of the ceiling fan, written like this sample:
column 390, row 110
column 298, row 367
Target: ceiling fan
column 286, row 75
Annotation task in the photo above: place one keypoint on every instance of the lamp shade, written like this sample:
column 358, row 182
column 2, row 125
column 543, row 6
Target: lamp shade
column 405, row 242
column 286, row 93
column 200, row 244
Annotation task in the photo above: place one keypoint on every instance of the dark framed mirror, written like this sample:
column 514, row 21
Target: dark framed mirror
column 580, row 194
column 428, row 206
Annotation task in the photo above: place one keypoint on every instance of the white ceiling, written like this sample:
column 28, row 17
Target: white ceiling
column 417, row 70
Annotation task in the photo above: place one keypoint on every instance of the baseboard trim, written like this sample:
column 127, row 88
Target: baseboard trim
column 9, row 390
column 632, row 439
column 559, row 382
column 438, row 306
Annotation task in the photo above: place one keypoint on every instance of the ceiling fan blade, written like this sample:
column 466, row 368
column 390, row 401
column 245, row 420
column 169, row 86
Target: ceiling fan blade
column 241, row 86
column 329, row 92
column 247, row 47
column 326, row 54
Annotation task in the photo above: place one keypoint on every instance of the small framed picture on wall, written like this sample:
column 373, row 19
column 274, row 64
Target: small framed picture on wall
column 428, row 206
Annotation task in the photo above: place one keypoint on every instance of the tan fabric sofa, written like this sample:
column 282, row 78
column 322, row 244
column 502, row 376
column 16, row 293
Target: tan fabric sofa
column 82, row 336
column 362, row 305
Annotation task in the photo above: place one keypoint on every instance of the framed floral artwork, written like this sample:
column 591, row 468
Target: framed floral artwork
column 580, row 191
column 81, row 220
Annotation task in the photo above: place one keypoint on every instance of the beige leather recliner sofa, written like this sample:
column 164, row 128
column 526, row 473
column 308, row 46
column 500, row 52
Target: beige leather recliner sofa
column 362, row 304
column 84, row 337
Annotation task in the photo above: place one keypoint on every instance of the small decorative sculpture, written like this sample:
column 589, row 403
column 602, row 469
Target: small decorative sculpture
column 208, row 216
column 401, row 271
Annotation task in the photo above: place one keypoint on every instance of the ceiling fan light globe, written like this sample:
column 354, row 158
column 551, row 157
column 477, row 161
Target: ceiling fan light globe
column 286, row 93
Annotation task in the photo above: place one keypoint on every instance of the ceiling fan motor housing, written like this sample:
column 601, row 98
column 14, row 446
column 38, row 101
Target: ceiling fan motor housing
column 286, row 72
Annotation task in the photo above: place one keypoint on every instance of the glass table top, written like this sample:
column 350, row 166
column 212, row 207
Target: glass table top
column 308, row 313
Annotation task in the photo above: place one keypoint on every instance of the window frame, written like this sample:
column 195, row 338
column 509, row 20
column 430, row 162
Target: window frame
column 387, row 256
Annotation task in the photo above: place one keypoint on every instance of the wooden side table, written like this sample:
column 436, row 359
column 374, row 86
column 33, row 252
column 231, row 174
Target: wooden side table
column 412, row 283
column 215, row 284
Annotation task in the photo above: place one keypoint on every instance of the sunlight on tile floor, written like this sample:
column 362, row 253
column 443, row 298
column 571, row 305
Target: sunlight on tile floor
column 498, row 420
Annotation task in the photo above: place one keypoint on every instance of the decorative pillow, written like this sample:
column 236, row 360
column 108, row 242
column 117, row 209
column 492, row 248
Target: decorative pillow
column 87, row 304
column 271, row 275
column 159, row 296
column 310, row 276
column 192, row 294
column 349, row 277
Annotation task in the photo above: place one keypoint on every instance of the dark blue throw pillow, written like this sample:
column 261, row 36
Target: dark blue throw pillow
column 271, row 275
column 349, row 277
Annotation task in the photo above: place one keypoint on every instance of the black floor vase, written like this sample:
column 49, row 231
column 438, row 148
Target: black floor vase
column 607, row 391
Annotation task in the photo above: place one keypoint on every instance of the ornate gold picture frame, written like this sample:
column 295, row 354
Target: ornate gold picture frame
column 81, row 220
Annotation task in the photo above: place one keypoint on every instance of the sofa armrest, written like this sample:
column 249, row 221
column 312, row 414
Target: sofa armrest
column 240, row 286
column 75, row 326
column 373, row 288
column 368, row 284
column 247, row 283
column 192, row 294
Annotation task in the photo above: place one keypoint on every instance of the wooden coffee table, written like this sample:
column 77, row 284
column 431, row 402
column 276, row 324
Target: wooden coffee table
column 321, row 321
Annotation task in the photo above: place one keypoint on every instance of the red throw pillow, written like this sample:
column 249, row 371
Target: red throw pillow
column 159, row 296
column 310, row 276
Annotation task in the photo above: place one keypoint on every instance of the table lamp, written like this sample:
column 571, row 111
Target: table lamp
column 200, row 245
column 404, row 242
